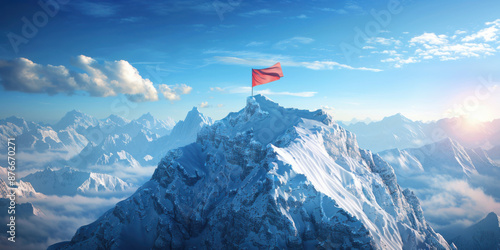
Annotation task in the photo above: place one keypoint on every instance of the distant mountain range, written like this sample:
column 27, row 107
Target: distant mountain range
column 68, row 181
column 400, row 132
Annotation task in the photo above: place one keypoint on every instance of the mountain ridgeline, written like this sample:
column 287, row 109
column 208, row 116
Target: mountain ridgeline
column 266, row 177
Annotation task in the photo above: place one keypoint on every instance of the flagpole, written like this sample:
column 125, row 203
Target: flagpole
column 252, row 91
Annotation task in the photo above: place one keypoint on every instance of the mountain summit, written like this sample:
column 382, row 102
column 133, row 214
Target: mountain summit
column 483, row 235
column 266, row 177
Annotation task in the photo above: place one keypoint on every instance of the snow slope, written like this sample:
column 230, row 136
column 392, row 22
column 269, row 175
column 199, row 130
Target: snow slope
column 266, row 177
column 68, row 181
column 483, row 235
column 22, row 189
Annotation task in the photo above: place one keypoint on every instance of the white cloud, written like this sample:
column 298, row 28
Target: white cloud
column 254, row 44
column 455, row 203
column 259, row 12
column 174, row 92
column 327, row 108
column 204, row 105
column 247, row 90
column 384, row 41
column 338, row 11
column 293, row 42
column 488, row 35
column 429, row 46
column 330, row 65
column 449, row 51
column 106, row 79
column 316, row 65
column 220, row 105
column 429, row 38
column 218, row 89
column 96, row 9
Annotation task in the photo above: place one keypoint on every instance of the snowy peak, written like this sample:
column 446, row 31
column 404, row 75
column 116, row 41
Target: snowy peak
column 68, row 181
column 147, row 117
column 282, row 177
column 194, row 116
column 118, row 120
column 20, row 122
column 155, row 125
column 75, row 119
column 397, row 118
column 190, row 126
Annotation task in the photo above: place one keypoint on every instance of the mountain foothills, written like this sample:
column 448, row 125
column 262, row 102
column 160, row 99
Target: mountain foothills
column 266, row 177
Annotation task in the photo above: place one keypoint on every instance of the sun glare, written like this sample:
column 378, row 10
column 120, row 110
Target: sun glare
column 480, row 115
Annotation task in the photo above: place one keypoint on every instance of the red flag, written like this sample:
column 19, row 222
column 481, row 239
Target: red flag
column 263, row 76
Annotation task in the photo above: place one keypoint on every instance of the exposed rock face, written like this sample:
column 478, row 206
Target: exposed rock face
column 266, row 177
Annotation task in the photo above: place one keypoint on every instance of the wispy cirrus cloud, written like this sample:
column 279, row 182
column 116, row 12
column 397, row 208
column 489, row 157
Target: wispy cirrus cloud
column 350, row 6
column 254, row 44
column 293, row 42
column 265, row 60
column 384, row 41
column 259, row 12
column 246, row 90
column 458, row 45
column 96, row 9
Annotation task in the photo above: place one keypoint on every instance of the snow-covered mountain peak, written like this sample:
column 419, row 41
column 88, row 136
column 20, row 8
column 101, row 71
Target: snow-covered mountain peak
column 148, row 116
column 68, row 181
column 75, row 119
column 18, row 121
column 267, row 177
column 118, row 120
column 397, row 118
column 195, row 116
column 268, row 120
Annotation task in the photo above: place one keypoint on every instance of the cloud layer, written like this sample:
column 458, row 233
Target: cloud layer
column 444, row 47
column 109, row 78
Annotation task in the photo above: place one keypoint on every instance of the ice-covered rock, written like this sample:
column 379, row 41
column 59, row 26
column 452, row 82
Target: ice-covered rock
column 266, row 177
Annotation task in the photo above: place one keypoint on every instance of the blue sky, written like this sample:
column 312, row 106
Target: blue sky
column 424, row 59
